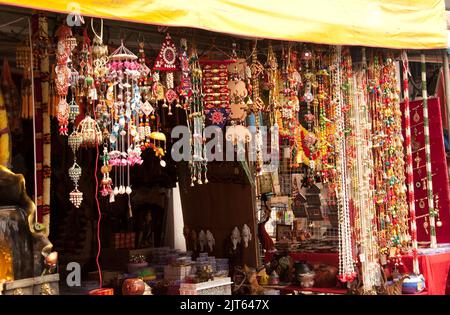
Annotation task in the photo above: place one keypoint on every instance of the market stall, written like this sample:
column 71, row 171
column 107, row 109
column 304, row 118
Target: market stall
column 287, row 143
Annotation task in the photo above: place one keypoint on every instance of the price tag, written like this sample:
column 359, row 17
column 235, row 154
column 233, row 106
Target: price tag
column 362, row 258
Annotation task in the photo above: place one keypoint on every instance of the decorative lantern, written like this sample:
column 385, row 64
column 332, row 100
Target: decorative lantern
column 159, row 140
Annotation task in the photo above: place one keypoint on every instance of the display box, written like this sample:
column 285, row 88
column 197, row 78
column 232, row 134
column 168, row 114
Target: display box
column 218, row 286
column 124, row 240
column 174, row 273
column 44, row 285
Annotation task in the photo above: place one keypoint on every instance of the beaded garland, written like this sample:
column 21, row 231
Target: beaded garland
column 390, row 190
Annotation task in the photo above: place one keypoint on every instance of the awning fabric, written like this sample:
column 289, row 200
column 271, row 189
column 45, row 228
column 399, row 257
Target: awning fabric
column 414, row 24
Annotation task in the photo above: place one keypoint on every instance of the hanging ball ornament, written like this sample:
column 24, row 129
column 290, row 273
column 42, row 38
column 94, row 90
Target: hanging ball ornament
column 439, row 223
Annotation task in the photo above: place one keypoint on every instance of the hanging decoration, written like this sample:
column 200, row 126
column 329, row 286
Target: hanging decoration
column 409, row 164
column 62, row 80
column 433, row 213
column 216, row 94
column 75, row 140
column 124, row 98
column 44, row 65
column 196, row 123
column 185, row 87
column 167, row 61
column 147, row 111
column 256, row 105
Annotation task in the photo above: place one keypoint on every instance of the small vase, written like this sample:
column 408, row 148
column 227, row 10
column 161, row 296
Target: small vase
column 133, row 286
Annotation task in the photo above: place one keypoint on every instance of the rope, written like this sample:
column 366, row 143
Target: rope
column 98, row 210
column 34, row 118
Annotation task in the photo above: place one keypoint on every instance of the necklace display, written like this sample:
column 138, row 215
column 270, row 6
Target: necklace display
column 346, row 266
column 362, row 172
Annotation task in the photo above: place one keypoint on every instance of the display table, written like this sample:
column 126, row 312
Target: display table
column 292, row 289
column 436, row 270
column 331, row 259
column 434, row 267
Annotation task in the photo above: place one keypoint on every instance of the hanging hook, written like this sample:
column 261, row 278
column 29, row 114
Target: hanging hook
column 100, row 37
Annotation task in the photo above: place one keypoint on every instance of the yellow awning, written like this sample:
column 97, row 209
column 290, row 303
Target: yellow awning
column 415, row 24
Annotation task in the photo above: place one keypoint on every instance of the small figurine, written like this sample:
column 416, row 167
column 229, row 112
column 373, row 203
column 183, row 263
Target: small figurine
column 274, row 279
column 186, row 234
column 202, row 240
column 210, row 240
column 246, row 235
column 194, row 240
column 235, row 237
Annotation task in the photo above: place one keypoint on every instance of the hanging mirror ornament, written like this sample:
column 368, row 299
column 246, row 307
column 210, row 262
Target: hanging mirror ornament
column 167, row 61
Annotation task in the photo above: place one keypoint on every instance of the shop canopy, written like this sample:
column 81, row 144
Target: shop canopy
column 414, row 24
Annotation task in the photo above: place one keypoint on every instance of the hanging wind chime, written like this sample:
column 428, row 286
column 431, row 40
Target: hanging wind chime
column 125, row 98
